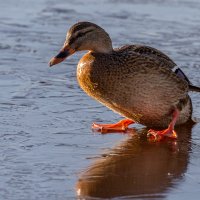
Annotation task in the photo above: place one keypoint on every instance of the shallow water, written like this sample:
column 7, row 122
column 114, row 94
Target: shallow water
column 47, row 149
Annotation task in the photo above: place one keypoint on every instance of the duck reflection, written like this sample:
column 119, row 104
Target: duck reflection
column 138, row 168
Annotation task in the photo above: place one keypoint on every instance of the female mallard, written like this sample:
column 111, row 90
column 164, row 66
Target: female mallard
column 139, row 82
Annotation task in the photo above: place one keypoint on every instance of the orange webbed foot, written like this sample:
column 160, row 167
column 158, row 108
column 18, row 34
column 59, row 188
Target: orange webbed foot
column 154, row 135
column 166, row 133
column 120, row 126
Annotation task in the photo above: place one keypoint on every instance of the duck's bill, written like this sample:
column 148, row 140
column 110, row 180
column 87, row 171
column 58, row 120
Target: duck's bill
column 62, row 55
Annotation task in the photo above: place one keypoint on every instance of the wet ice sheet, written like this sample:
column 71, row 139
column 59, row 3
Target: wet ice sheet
column 45, row 139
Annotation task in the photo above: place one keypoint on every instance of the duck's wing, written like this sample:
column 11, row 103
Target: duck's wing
column 166, row 62
column 162, row 61
column 154, row 60
column 154, row 54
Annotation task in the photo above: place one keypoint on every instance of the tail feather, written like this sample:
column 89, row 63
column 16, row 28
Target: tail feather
column 194, row 88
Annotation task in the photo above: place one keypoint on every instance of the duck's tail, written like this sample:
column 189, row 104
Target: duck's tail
column 194, row 88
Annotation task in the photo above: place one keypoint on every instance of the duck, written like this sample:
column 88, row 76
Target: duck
column 139, row 82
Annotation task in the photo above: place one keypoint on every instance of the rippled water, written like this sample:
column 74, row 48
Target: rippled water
column 47, row 149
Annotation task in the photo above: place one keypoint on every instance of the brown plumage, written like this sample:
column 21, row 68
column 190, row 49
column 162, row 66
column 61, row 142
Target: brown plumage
column 135, row 81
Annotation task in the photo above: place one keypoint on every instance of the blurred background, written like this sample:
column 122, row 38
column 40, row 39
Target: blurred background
column 47, row 149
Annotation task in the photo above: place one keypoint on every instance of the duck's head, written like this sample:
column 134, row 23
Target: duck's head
column 83, row 36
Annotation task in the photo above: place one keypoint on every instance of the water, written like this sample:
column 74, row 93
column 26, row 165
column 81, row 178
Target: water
column 47, row 149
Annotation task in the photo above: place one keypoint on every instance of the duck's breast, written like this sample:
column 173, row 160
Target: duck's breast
column 97, row 79
column 89, row 75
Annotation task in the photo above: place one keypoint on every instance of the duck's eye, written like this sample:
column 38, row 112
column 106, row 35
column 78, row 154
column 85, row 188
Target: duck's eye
column 81, row 34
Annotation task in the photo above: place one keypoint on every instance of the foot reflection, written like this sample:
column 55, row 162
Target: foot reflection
column 138, row 168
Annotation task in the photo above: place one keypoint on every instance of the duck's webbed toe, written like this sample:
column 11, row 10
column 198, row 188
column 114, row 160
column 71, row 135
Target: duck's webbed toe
column 120, row 126
column 155, row 135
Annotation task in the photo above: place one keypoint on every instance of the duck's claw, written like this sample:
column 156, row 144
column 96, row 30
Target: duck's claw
column 160, row 135
column 166, row 133
column 120, row 126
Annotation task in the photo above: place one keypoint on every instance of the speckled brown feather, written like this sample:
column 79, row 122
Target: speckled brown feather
column 137, row 82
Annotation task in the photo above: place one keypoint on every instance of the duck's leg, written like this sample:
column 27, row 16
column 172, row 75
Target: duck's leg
column 169, row 132
column 120, row 126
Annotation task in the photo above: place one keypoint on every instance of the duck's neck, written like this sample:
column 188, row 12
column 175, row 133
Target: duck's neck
column 103, row 44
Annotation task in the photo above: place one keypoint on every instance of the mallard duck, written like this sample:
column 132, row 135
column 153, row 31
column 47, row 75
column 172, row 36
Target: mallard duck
column 139, row 82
